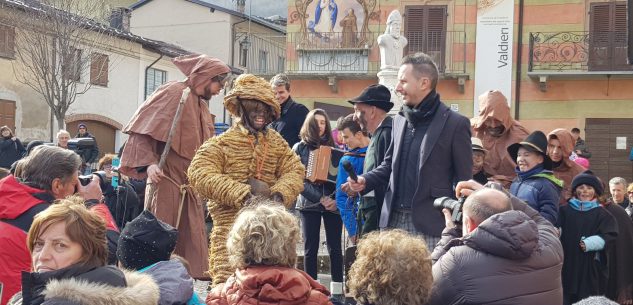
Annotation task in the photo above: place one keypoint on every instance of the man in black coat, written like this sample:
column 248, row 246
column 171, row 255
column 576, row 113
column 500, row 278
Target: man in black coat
column 90, row 155
column 292, row 113
column 370, row 110
column 430, row 152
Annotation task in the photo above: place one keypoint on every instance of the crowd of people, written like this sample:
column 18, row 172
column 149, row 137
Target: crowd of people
column 532, row 225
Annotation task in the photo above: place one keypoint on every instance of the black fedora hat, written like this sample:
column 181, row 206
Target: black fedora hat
column 375, row 95
column 535, row 142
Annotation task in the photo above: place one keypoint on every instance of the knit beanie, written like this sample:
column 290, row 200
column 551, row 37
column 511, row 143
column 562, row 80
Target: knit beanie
column 145, row 241
column 588, row 178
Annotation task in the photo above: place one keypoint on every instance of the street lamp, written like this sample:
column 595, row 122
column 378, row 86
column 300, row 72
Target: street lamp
column 245, row 44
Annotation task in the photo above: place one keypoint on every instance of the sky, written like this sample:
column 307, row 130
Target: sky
column 262, row 8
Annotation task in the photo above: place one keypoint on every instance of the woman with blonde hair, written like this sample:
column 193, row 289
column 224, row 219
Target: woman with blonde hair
column 263, row 249
column 391, row 268
column 67, row 243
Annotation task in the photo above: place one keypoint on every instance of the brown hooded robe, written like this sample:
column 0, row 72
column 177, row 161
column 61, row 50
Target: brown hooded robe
column 498, row 163
column 148, row 131
column 568, row 169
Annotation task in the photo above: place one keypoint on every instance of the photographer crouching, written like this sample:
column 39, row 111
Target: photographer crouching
column 503, row 252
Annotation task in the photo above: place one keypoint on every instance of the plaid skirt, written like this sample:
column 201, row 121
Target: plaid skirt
column 403, row 220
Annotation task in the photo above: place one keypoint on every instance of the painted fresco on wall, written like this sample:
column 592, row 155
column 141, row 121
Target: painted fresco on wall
column 334, row 23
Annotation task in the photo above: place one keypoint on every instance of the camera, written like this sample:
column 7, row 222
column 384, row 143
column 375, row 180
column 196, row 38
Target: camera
column 454, row 205
column 86, row 179
column 79, row 144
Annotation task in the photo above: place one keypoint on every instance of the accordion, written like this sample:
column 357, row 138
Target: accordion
column 323, row 164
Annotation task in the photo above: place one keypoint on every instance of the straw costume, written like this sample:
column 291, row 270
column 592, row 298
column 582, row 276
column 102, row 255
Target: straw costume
column 247, row 160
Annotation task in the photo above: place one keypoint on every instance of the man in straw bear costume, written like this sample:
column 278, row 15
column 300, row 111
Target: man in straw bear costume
column 246, row 161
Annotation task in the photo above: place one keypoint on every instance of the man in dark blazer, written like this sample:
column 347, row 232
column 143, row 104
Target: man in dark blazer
column 430, row 152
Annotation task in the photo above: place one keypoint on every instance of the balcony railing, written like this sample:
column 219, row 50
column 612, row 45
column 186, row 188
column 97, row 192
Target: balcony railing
column 578, row 52
column 358, row 53
column 260, row 53
column 331, row 53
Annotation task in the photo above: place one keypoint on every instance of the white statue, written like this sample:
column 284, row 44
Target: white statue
column 391, row 43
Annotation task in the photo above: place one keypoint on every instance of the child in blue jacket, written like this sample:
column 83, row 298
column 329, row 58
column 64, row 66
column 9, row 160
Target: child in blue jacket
column 357, row 141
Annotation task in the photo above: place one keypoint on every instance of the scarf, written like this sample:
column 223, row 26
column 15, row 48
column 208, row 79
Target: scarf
column 578, row 205
column 422, row 111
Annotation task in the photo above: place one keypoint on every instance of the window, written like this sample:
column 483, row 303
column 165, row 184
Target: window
column 608, row 37
column 99, row 69
column 7, row 41
column 153, row 80
column 425, row 29
column 263, row 61
column 281, row 64
column 72, row 66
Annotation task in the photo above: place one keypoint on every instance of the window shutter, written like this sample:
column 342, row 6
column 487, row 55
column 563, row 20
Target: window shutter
column 413, row 29
column 425, row 29
column 99, row 69
column 608, row 37
column 7, row 41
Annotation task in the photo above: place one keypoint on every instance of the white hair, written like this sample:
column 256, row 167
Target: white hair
column 617, row 180
column 61, row 132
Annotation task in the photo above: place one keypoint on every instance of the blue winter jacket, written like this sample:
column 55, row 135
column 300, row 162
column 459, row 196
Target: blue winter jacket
column 348, row 206
column 540, row 189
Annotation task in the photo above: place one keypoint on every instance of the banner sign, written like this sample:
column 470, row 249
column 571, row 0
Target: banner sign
column 493, row 60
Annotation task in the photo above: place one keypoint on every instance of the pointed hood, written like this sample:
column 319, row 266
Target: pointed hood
column 567, row 169
column 200, row 69
column 493, row 104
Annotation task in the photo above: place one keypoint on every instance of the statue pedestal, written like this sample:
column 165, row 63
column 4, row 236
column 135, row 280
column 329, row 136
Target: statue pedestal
column 389, row 79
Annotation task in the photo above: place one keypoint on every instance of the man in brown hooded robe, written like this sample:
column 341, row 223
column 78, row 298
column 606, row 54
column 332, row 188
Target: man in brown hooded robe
column 560, row 144
column 148, row 131
column 497, row 130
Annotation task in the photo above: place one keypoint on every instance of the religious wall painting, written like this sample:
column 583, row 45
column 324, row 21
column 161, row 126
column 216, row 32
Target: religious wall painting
column 334, row 23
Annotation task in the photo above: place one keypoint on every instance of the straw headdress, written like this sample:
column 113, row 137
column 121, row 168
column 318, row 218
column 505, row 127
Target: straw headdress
column 249, row 86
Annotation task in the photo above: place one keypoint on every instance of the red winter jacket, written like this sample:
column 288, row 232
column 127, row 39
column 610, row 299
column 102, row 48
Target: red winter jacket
column 18, row 204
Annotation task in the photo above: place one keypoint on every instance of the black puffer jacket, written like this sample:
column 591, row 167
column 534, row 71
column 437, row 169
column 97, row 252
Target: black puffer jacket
column 10, row 151
column 312, row 192
column 513, row 257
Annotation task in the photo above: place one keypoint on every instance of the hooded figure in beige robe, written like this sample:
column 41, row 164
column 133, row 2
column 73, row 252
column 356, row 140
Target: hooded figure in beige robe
column 559, row 148
column 148, row 131
column 497, row 130
column 248, row 160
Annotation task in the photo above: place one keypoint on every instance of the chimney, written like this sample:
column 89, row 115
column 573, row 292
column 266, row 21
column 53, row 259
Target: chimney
column 240, row 5
column 120, row 18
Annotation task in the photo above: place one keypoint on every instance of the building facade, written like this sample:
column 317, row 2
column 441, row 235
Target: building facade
column 132, row 67
column 250, row 44
column 566, row 60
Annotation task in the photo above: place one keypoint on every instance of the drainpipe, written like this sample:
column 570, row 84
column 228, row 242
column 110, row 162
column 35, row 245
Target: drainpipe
column 232, row 57
column 517, row 89
column 147, row 69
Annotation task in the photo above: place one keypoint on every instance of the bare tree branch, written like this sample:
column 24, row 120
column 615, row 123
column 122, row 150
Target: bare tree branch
column 54, row 43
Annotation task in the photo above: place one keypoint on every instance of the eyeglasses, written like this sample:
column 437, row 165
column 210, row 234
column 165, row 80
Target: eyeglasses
column 630, row 193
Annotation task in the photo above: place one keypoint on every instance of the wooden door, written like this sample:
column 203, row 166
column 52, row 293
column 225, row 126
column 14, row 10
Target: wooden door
column 103, row 133
column 7, row 114
column 606, row 160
